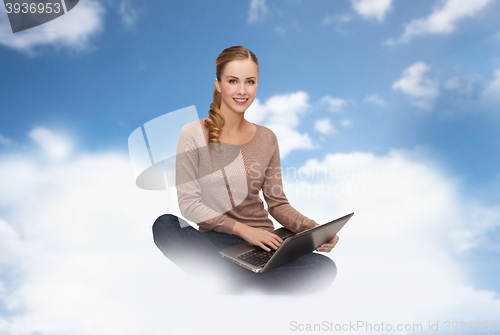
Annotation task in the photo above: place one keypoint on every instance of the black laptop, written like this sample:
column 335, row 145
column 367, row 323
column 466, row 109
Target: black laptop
column 294, row 245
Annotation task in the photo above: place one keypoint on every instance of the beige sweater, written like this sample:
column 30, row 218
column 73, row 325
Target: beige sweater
column 216, row 189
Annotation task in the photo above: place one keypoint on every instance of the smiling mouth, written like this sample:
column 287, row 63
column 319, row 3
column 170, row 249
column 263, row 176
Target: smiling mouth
column 242, row 100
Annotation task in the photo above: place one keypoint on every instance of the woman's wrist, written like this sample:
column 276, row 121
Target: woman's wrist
column 239, row 229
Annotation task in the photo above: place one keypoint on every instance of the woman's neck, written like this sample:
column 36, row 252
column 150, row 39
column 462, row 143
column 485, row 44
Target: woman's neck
column 233, row 123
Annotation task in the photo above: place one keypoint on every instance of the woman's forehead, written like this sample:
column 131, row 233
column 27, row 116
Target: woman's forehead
column 241, row 68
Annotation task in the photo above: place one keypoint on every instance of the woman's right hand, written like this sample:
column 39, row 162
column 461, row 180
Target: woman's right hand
column 257, row 236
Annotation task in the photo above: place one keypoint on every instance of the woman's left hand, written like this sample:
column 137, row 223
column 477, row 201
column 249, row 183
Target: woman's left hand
column 327, row 247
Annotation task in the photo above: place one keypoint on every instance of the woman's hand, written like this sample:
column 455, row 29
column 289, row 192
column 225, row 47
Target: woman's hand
column 257, row 236
column 327, row 247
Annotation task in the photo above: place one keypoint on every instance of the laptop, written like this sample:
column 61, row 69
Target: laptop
column 294, row 245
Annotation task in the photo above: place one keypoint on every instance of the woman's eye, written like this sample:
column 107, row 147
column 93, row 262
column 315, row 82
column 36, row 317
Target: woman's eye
column 232, row 81
column 251, row 81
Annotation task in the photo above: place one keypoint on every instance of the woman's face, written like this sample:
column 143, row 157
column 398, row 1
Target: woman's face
column 238, row 85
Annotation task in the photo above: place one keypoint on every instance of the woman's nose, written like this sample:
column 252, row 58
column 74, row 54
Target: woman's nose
column 241, row 88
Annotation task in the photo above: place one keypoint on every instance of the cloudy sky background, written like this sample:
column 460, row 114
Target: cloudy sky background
column 387, row 108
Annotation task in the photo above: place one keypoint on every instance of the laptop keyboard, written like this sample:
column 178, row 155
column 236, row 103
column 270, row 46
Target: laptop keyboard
column 257, row 257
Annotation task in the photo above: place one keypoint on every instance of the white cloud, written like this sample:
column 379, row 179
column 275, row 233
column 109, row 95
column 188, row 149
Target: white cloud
column 328, row 19
column 4, row 140
column 372, row 9
column 421, row 90
column 400, row 251
column 82, row 234
column 338, row 19
column 73, row 30
column 257, row 10
column 335, row 105
column 325, row 127
column 491, row 94
column 346, row 123
column 375, row 99
column 54, row 145
column 127, row 13
column 281, row 113
column 465, row 87
column 286, row 109
column 453, row 84
column 443, row 20
column 10, row 245
column 257, row 112
column 280, row 30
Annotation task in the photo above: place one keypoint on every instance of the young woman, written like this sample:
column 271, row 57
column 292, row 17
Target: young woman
column 222, row 164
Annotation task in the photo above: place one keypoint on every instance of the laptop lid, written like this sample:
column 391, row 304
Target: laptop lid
column 293, row 247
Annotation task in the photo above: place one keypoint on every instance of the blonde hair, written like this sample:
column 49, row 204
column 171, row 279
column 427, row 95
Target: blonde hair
column 215, row 120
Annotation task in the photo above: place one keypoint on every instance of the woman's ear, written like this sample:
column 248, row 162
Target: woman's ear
column 217, row 85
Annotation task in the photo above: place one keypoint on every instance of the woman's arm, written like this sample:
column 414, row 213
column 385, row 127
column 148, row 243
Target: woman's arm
column 192, row 163
column 189, row 191
column 277, row 203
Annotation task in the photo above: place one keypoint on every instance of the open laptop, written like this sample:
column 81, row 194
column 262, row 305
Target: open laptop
column 294, row 245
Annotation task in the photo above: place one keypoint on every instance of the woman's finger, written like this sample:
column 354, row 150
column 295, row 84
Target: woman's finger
column 269, row 244
column 333, row 242
column 327, row 247
column 275, row 237
column 274, row 243
column 275, row 240
column 263, row 246
column 269, row 241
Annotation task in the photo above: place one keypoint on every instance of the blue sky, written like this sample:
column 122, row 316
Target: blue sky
column 363, row 83
column 163, row 60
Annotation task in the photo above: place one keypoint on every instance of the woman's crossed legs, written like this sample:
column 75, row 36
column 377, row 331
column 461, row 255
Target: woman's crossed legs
column 197, row 253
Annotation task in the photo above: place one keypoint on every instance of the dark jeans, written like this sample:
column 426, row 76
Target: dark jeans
column 197, row 253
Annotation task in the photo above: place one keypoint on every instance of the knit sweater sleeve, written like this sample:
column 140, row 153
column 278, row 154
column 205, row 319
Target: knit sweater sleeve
column 277, row 202
column 191, row 196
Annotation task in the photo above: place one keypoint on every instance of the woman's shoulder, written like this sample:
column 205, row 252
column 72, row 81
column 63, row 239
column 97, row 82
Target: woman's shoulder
column 266, row 133
column 193, row 129
column 193, row 132
column 193, row 126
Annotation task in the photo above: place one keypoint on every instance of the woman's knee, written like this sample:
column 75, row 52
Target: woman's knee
column 164, row 224
column 329, row 265
column 165, row 220
column 323, row 264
